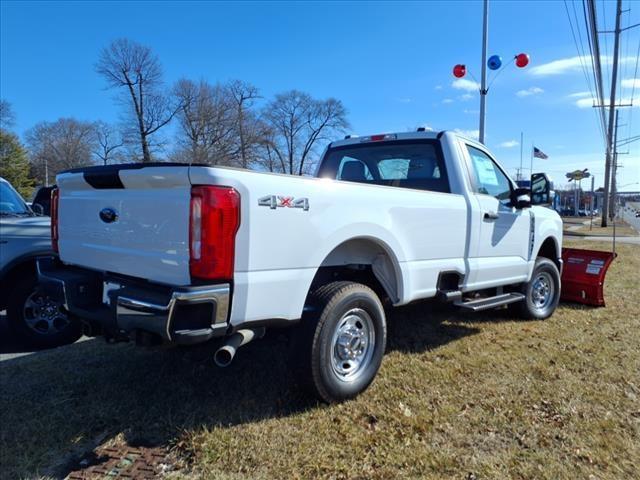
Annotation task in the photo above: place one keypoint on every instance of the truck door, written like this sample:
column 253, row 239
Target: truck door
column 502, row 250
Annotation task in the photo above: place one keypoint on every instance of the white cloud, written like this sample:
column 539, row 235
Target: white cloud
column 471, row 112
column 447, row 100
column 438, row 87
column 509, row 144
column 585, row 102
column 405, row 100
column 468, row 133
column 631, row 83
column 464, row 84
column 571, row 64
column 579, row 95
column 466, row 96
column 590, row 102
column 529, row 91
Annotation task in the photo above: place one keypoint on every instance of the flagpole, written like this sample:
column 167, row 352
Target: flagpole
column 521, row 147
column 532, row 147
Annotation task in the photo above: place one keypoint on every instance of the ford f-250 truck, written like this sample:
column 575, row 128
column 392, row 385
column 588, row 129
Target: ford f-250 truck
column 184, row 254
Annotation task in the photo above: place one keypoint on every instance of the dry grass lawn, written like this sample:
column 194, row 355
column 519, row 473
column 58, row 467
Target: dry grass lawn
column 458, row 396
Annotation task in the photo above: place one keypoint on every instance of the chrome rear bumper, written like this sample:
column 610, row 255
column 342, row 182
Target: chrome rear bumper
column 183, row 315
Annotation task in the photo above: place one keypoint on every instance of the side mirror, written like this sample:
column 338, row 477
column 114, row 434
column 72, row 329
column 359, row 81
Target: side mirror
column 37, row 209
column 541, row 189
column 520, row 198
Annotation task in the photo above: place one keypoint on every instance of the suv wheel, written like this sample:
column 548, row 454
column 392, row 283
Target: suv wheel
column 38, row 319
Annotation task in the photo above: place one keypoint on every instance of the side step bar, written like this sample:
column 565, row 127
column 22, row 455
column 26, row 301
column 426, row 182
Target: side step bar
column 490, row 302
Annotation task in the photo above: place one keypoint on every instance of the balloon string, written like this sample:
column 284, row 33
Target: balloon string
column 471, row 75
column 499, row 72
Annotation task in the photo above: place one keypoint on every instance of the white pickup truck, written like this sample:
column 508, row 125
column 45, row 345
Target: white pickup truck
column 183, row 254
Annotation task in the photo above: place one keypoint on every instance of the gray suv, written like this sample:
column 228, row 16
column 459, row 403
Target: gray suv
column 34, row 317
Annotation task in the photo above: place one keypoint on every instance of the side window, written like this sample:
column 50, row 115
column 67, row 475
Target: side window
column 489, row 179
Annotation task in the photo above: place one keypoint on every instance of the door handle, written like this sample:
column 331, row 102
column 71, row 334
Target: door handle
column 491, row 215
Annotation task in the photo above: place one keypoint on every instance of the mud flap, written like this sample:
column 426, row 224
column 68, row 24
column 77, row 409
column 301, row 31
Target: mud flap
column 583, row 275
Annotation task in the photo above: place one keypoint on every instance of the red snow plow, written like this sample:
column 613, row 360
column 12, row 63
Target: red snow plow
column 583, row 275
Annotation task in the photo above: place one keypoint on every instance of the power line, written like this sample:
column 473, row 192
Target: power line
column 591, row 24
column 606, row 46
column 582, row 55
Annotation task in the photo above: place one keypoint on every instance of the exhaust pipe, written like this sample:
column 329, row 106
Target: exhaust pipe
column 224, row 355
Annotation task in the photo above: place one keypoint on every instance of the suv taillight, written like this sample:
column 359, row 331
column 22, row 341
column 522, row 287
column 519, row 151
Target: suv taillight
column 213, row 222
column 55, row 196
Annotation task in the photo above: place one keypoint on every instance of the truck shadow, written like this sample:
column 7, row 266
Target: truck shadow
column 67, row 401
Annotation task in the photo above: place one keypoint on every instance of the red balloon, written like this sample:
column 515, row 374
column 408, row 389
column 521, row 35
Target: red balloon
column 459, row 71
column 522, row 60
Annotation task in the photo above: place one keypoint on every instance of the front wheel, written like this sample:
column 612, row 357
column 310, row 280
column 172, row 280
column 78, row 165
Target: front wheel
column 339, row 346
column 542, row 292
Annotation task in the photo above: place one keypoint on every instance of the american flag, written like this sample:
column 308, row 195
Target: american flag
column 539, row 153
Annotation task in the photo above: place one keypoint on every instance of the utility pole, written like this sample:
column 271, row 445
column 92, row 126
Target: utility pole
column 614, row 170
column 483, row 85
column 593, row 184
column 612, row 112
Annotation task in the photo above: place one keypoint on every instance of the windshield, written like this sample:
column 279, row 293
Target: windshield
column 10, row 201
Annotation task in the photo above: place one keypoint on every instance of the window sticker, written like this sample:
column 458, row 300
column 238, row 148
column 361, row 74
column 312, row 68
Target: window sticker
column 486, row 172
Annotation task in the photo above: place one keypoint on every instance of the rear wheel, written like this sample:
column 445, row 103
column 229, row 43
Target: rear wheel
column 38, row 319
column 339, row 347
column 542, row 292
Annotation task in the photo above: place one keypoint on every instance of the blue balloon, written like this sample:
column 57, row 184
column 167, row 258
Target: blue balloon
column 494, row 62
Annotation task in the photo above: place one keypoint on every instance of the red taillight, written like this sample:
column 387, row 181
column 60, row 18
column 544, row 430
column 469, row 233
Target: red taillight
column 55, row 196
column 213, row 223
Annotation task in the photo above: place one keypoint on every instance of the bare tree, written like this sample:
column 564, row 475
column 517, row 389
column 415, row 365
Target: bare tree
column 108, row 142
column 297, row 123
column 130, row 65
column 7, row 117
column 55, row 146
column 267, row 158
column 207, row 121
column 244, row 95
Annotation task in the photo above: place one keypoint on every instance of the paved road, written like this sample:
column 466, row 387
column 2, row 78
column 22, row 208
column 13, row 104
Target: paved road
column 628, row 214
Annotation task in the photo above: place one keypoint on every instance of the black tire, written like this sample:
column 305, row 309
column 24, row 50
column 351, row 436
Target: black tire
column 59, row 330
column 340, row 311
column 538, row 305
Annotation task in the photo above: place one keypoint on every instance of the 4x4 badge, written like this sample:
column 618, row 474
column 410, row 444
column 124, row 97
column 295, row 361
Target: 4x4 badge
column 277, row 201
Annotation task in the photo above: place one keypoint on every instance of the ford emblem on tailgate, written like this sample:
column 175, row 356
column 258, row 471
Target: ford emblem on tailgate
column 108, row 215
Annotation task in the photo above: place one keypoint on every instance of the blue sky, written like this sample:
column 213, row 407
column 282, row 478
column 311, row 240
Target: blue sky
column 389, row 62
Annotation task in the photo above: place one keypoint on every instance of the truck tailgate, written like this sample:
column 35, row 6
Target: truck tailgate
column 131, row 219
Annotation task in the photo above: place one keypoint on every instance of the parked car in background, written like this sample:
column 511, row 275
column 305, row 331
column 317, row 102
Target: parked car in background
column 34, row 317
column 41, row 203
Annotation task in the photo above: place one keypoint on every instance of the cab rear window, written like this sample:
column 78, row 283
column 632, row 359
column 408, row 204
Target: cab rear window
column 416, row 164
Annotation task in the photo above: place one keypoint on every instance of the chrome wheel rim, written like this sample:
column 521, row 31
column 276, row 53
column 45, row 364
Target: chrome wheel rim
column 352, row 344
column 542, row 291
column 44, row 315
